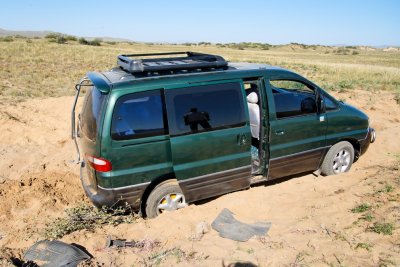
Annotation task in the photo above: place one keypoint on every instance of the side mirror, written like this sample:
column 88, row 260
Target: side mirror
column 308, row 105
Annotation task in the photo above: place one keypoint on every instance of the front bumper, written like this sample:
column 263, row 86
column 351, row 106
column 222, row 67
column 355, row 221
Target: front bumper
column 364, row 143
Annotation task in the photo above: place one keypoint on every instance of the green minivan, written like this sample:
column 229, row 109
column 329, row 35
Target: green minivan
column 166, row 129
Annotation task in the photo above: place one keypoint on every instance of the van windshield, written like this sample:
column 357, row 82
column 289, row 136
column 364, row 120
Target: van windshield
column 91, row 112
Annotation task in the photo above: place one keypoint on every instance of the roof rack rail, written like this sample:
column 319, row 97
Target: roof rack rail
column 192, row 61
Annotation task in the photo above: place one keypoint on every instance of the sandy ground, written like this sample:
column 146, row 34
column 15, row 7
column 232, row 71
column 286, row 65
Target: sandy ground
column 312, row 222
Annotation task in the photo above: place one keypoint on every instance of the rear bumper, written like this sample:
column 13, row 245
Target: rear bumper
column 369, row 139
column 112, row 197
column 96, row 194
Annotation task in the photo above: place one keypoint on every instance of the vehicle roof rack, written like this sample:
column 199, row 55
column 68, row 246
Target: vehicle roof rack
column 192, row 61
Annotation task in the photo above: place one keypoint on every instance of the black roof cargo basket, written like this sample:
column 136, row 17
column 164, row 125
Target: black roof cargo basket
column 192, row 61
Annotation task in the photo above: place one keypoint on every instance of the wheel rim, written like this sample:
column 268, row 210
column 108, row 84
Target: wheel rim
column 341, row 161
column 171, row 202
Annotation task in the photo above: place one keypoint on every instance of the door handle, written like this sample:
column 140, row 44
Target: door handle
column 241, row 139
column 279, row 132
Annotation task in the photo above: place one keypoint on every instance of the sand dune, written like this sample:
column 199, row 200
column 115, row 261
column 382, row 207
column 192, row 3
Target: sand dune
column 312, row 222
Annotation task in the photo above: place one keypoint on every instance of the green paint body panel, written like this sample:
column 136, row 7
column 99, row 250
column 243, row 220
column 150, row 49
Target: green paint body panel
column 297, row 134
column 144, row 160
column 346, row 123
column 210, row 152
column 100, row 81
column 205, row 153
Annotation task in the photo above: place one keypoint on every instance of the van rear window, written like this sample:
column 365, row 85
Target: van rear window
column 91, row 112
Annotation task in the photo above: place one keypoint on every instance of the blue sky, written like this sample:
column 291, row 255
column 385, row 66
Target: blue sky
column 352, row 22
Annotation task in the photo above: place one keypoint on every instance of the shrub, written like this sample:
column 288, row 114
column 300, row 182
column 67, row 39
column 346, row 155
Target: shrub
column 383, row 228
column 342, row 51
column 367, row 217
column 364, row 246
column 87, row 217
column 361, row 208
column 83, row 41
column 52, row 36
column 397, row 98
column 70, row 38
column 111, row 43
column 20, row 36
column 204, row 43
column 94, row 42
column 61, row 39
column 6, row 39
column 344, row 84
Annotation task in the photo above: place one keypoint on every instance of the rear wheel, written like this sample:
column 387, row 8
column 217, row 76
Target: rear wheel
column 166, row 196
column 338, row 159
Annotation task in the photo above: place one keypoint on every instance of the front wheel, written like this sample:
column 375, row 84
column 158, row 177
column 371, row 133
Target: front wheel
column 166, row 196
column 338, row 159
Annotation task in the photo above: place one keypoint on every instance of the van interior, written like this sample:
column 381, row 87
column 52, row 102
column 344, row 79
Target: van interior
column 254, row 104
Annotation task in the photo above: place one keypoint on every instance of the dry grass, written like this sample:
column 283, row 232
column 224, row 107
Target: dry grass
column 38, row 68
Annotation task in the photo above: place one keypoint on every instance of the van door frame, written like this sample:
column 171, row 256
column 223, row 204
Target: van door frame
column 264, row 122
column 206, row 185
column 309, row 159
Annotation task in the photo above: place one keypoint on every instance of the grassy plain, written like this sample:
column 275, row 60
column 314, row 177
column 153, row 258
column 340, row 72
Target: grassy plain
column 39, row 68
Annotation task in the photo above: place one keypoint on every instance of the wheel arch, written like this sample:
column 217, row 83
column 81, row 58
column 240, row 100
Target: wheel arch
column 354, row 142
column 155, row 182
column 356, row 145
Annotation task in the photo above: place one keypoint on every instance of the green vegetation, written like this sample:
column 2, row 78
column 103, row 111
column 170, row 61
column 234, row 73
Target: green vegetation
column 52, row 35
column 361, row 208
column 364, row 246
column 383, row 228
column 87, row 217
column 397, row 97
column 59, row 38
column 387, row 189
column 6, row 39
column 178, row 254
column 367, row 217
column 42, row 68
column 94, row 42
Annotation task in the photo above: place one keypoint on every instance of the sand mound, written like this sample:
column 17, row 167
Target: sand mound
column 311, row 217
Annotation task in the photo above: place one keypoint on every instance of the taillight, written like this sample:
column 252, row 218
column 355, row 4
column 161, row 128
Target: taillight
column 99, row 164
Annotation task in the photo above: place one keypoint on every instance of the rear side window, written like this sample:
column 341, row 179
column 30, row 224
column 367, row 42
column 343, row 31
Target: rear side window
column 91, row 112
column 139, row 115
column 205, row 108
column 293, row 98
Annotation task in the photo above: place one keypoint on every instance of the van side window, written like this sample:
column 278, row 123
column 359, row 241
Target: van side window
column 138, row 115
column 293, row 98
column 205, row 108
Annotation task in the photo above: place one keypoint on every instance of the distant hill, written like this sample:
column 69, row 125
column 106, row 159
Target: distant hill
column 29, row 34
column 42, row 34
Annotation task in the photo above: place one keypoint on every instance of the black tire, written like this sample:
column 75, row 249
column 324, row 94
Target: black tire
column 168, row 194
column 336, row 160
